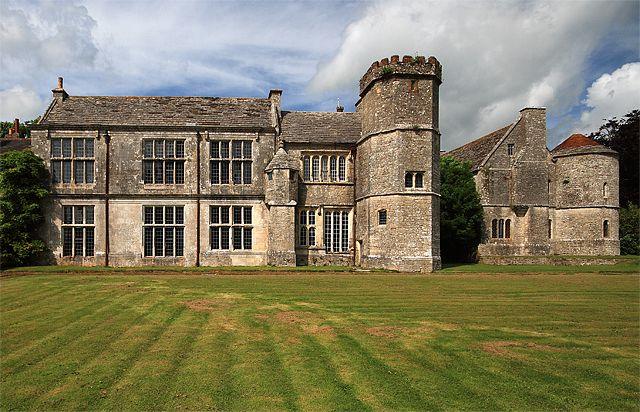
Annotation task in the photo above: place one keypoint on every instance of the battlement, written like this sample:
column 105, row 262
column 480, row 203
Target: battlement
column 409, row 65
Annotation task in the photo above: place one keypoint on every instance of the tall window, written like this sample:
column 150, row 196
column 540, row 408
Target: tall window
column 501, row 228
column 163, row 231
column 230, row 162
column 163, row 161
column 336, row 231
column 511, row 149
column 324, row 168
column 72, row 160
column 605, row 190
column 550, row 228
column 307, row 227
column 414, row 180
column 382, row 217
column 605, row 229
column 78, row 230
column 230, row 227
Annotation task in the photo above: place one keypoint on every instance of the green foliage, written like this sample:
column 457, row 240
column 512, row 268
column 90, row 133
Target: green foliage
column 630, row 230
column 621, row 135
column 460, row 212
column 25, row 130
column 387, row 70
column 23, row 187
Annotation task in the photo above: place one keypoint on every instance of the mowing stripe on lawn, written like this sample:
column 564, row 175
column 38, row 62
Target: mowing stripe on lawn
column 144, row 381
column 45, row 375
column 85, row 393
column 266, row 383
column 62, row 311
column 54, row 342
column 209, row 372
column 376, row 380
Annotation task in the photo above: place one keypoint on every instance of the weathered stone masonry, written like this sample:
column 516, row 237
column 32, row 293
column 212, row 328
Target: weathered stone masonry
column 238, row 181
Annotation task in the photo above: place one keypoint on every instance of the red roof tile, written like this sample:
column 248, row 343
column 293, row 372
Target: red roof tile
column 576, row 140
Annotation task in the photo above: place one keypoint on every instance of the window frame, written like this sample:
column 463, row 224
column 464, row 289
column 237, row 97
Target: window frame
column 324, row 168
column 152, row 228
column 83, row 227
column 230, row 161
column 240, row 229
column 77, row 164
column 383, row 217
column 337, row 231
column 155, row 170
column 306, row 225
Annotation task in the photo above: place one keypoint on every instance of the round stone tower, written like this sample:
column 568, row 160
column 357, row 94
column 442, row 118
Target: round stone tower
column 585, row 220
column 397, row 165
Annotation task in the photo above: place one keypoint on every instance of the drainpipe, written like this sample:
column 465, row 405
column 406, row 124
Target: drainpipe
column 198, row 198
column 107, row 140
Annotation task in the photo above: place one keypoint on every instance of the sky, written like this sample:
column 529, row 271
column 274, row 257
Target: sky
column 579, row 59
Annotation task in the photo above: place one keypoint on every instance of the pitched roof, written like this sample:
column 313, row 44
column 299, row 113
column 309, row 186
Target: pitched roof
column 320, row 127
column 283, row 160
column 475, row 151
column 160, row 111
column 576, row 140
column 580, row 144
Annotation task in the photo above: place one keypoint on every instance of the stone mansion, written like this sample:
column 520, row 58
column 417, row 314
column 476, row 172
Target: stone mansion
column 139, row 180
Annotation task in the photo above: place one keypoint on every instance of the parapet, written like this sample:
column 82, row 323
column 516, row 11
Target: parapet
column 409, row 65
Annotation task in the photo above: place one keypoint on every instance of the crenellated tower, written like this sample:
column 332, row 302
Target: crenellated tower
column 397, row 165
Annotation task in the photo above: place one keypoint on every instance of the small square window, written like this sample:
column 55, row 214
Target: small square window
column 382, row 217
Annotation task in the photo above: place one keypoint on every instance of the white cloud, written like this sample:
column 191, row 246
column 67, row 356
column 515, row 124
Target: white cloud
column 613, row 94
column 498, row 57
column 21, row 103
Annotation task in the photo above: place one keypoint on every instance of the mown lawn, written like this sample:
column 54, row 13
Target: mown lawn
column 319, row 341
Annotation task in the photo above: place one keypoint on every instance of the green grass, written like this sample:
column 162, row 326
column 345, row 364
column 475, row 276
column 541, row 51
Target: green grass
column 319, row 341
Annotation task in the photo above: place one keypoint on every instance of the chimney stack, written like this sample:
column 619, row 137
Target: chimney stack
column 16, row 126
column 339, row 107
column 59, row 93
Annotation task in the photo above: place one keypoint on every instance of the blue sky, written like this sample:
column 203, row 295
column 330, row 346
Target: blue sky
column 578, row 59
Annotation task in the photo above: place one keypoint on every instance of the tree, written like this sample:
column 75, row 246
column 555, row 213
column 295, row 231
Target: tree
column 23, row 131
column 630, row 230
column 621, row 135
column 460, row 212
column 23, row 188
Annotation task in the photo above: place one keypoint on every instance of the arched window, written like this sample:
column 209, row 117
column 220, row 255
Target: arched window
column 312, row 236
column 501, row 228
column 333, row 166
column 418, row 179
column 325, row 168
column 548, row 186
column 342, row 169
column 494, row 228
column 315, row 168
column 306, row 166
column 303, row 236
column 507, row 229
column 408, row 179
column 605, row 190
column 605, row 228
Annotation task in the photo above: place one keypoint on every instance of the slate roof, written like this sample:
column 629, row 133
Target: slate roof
column 160, row 111
column 320, row 127
column 475, row 151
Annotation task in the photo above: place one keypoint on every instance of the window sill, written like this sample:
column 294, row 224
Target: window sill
column 345, row 183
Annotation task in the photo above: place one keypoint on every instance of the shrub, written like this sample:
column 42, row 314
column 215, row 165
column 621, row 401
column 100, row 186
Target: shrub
column 630, row 230
column 23, row 188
